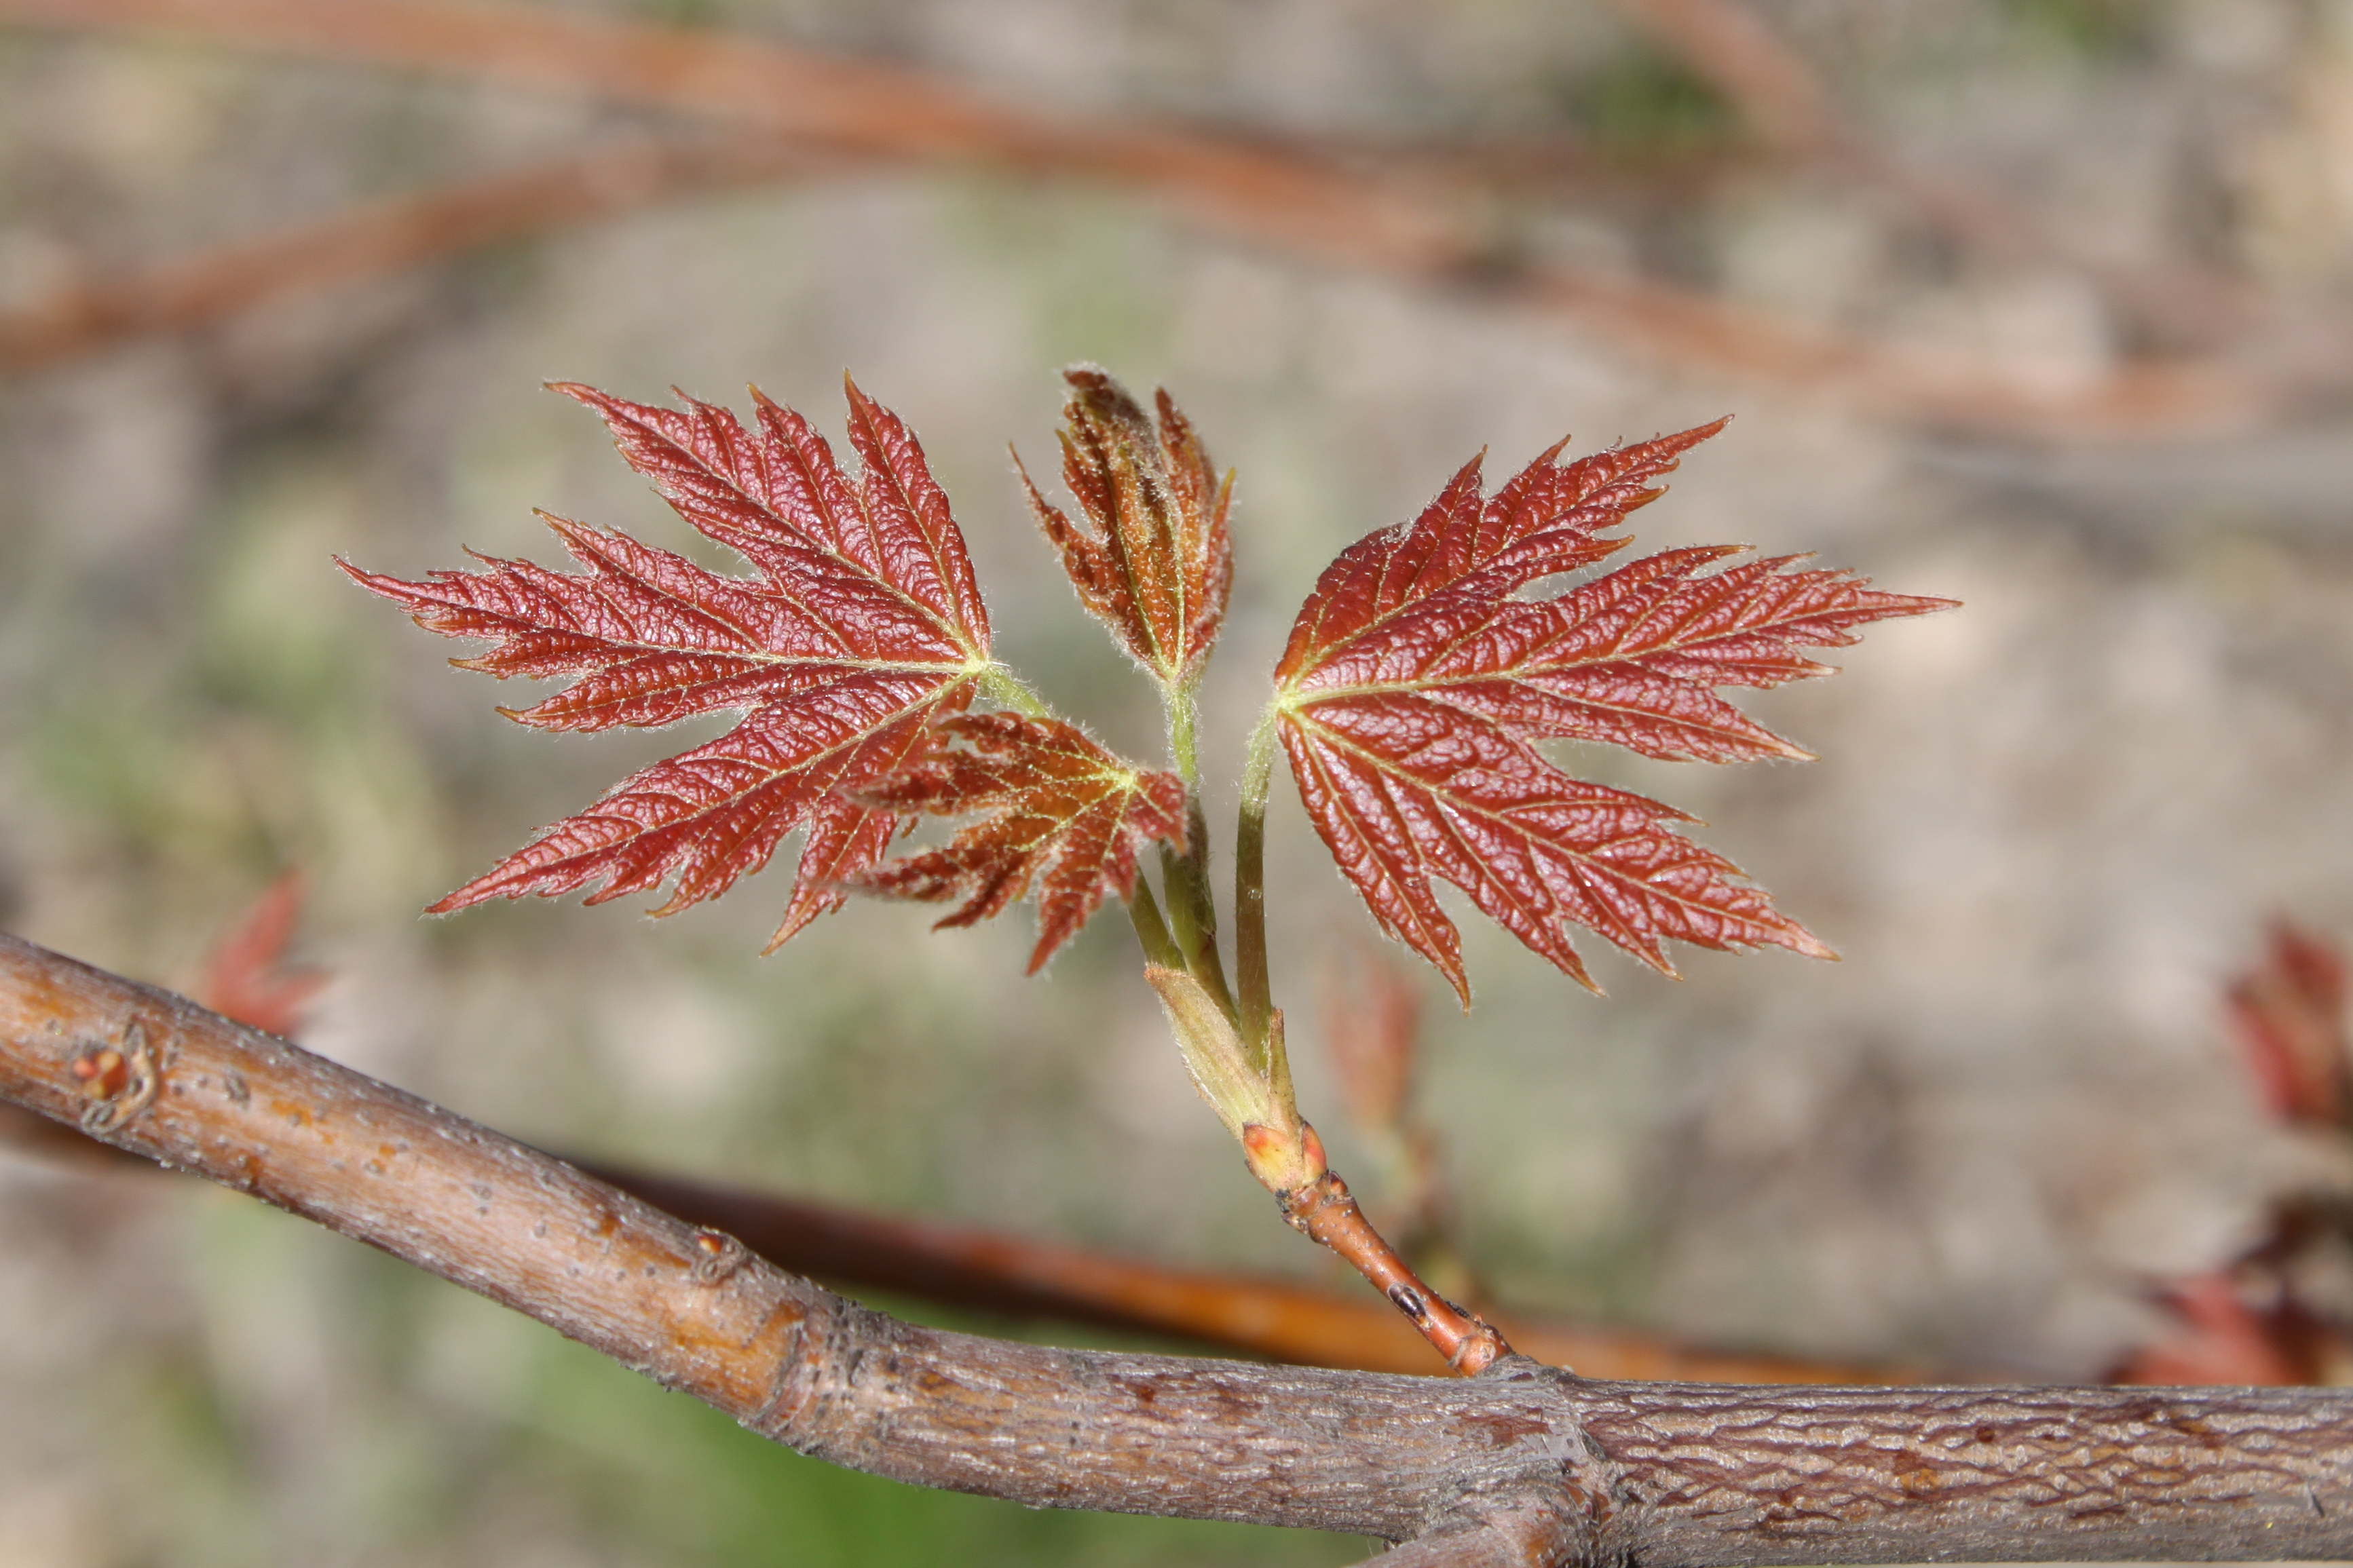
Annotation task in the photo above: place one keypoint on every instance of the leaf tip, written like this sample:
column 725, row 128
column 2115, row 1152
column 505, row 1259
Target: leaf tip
column 1460, row 978
column 1789, row 934
column 373, row 582
column 796, row 920
column 580, row 391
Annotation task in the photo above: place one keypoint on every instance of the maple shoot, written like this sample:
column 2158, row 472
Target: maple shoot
column 1419, row 679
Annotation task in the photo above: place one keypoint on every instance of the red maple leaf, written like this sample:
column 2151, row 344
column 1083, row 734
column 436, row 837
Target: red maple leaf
column 1419, row 677
column 1152, row 561
column 860, row 624
column 1062, row 815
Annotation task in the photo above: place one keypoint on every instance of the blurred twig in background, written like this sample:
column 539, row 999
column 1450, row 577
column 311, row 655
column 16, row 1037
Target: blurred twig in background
column 981, row 1271
column 962, row 1267
column 2175, row 302
column 1247, row 188
column 389, row 237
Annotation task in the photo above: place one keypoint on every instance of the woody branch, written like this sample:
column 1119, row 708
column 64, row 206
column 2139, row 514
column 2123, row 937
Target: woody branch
column 1521, row 1464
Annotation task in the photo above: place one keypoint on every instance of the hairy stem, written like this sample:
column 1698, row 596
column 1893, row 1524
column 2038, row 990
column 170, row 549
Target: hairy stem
column 1000, row 685
column 1256, row 997
column 1192, row 913
column 1184, row 735
column 1151, row 931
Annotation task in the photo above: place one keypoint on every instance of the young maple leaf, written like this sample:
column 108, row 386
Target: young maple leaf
column 1152, row 561
column 1417, row 678
column 1062, row 813
column 861, row 623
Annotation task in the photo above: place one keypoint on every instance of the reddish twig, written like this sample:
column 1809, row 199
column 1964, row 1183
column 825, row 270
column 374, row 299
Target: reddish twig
column 1553, row 167
column 1251, row 191
column 614, row 179
column 383, row 238
column 818, row 100
column 1661, row 1474
column 1325, row 1210
column 1247, row 1083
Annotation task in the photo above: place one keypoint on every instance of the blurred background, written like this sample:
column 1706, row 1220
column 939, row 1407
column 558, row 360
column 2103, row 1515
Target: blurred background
column 2046, row 305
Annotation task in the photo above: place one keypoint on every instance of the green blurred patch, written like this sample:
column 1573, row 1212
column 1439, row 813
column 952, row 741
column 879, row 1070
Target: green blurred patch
column 198, row 1489
column 2095, row 29
column 1645, row 101
column 154, row 792
column 280, row 623
column 254, row 738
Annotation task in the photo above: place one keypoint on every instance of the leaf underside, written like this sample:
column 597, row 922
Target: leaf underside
column 1059, row 814
column 859, row 625
column 1420, row 676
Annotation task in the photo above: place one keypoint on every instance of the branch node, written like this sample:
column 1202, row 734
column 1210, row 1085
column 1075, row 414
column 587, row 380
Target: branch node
column 720, row 1256
column 120, row 1082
